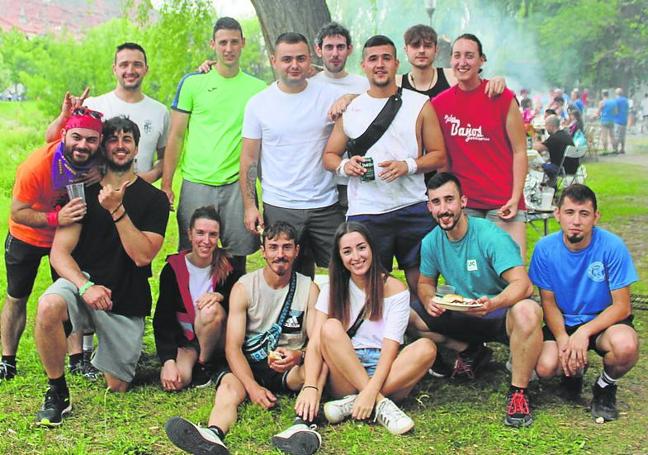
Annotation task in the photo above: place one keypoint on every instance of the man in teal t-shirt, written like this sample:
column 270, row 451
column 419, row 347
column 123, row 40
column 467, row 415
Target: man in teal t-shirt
column 482, row 263
column 206, row 122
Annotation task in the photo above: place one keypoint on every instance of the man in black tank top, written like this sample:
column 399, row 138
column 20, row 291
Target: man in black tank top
column 421, row 49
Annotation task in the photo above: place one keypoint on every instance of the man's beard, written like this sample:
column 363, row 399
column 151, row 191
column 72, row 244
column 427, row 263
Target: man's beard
column 119, row 168
column 455, row 220
column 68, row 153
column 574, row 239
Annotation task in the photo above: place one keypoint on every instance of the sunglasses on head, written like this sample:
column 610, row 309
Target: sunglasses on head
column 86, row 111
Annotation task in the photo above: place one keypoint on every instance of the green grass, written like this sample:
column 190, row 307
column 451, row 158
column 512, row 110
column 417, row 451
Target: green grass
column 450, row 417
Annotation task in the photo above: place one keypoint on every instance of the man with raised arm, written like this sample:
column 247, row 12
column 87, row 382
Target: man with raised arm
column 333, row 46
column 206, row 119
column 39, row 204
column 104, row 262
column 584, row 275
column 130, row 68
column 269, row 321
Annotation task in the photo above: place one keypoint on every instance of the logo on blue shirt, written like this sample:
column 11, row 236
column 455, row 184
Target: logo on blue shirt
column 596, row 272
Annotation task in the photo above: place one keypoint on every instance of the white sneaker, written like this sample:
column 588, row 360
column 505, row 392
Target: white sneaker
column 194, row 439
column 338, row 410
column 299, row 439
column 391, row 417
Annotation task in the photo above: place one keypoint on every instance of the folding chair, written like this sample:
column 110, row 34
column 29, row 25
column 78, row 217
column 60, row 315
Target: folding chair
column 565, row 179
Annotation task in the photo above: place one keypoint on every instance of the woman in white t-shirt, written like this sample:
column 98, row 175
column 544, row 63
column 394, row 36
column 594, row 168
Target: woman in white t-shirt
column 359, row 326
column 191, row 311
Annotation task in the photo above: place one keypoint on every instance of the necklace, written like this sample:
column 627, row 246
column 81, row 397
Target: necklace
column 432, row 82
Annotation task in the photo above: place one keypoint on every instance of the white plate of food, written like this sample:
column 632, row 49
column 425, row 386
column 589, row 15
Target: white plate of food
column 456, row 302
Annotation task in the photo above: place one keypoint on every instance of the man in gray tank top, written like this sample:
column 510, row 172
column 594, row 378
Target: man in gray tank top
column 266, row 339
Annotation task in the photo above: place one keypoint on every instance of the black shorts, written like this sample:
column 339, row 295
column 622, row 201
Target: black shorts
column 22, row 261
column 548, row 336
column 399, row 233
column 462, row 327
column 264, row 375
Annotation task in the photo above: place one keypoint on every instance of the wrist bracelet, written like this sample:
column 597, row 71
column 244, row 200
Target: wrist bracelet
column 310, row 387
column 82, row 290
column 52, row 218
column 340, row 169
column 114, row 211
column 411, row 166
column 120, row 217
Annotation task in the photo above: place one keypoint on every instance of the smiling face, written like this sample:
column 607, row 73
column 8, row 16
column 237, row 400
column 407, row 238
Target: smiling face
column 577, row 221
column 80, row 144
column 130, row 68
column 203, row 236
column 380, row 65
column 466, row 61
column 280, row 253
column 446, row 205
column 291, row 62
column 227, row 44
column 120, row 150
column 355, row 253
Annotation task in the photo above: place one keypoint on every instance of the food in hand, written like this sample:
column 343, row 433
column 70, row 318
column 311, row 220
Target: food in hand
column 274, row 356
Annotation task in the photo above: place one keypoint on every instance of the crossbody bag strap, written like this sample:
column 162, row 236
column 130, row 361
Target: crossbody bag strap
column 360, row 145
column 288, row 301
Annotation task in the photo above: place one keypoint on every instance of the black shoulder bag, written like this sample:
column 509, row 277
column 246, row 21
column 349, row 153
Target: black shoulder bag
column 385, row 117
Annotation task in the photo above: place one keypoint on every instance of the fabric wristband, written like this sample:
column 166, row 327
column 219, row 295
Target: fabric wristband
column 52, row 218
column 340, row 169
column 82, row 290
column 411, row 166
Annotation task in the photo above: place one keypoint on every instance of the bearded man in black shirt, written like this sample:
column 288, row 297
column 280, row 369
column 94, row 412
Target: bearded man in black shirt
column 104, row 264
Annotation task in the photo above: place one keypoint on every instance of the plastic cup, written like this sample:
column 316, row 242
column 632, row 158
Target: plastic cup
column 75, row 190
column 547, row 198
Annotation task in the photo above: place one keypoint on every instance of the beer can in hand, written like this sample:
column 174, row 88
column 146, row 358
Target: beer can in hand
column 370, row 175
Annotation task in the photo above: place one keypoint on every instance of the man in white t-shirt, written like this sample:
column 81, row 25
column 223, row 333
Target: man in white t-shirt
column 152, row 117
column 393, row 204
column 333, row 46
column 285, row 129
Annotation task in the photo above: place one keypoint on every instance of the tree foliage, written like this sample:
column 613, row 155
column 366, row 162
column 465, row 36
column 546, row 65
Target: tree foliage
column 176, row 40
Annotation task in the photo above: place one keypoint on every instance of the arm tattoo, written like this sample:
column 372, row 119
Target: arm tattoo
column 250, row 180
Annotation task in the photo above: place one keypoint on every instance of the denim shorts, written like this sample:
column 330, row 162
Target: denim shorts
column 369, row 358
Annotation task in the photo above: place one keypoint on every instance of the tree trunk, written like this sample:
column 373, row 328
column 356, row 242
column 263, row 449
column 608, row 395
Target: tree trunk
column 279, row 16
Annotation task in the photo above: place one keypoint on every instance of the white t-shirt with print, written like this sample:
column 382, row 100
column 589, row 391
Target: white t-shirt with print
column 152, row 118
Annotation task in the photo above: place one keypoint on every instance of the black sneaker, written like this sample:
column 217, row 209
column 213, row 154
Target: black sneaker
column 201, row 376
column 7, row 371
column 440, row 368
column 194, row 439
column 54, row 409
column 469, row 364
column 90, row 372
column 604, row 402
column 299, row 439
column 518, row 411
column 76, row 368
column 572, row 387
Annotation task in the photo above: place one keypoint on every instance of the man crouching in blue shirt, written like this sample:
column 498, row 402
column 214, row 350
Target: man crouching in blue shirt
column 584, row 275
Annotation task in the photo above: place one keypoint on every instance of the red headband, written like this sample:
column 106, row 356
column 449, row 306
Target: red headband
column 85, row 119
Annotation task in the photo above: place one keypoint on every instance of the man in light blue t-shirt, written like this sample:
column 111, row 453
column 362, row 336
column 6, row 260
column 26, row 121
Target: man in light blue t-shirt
column 584, row 275
column 483, row 263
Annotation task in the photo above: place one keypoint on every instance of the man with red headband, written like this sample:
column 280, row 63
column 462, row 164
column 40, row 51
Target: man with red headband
column 40, row 203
